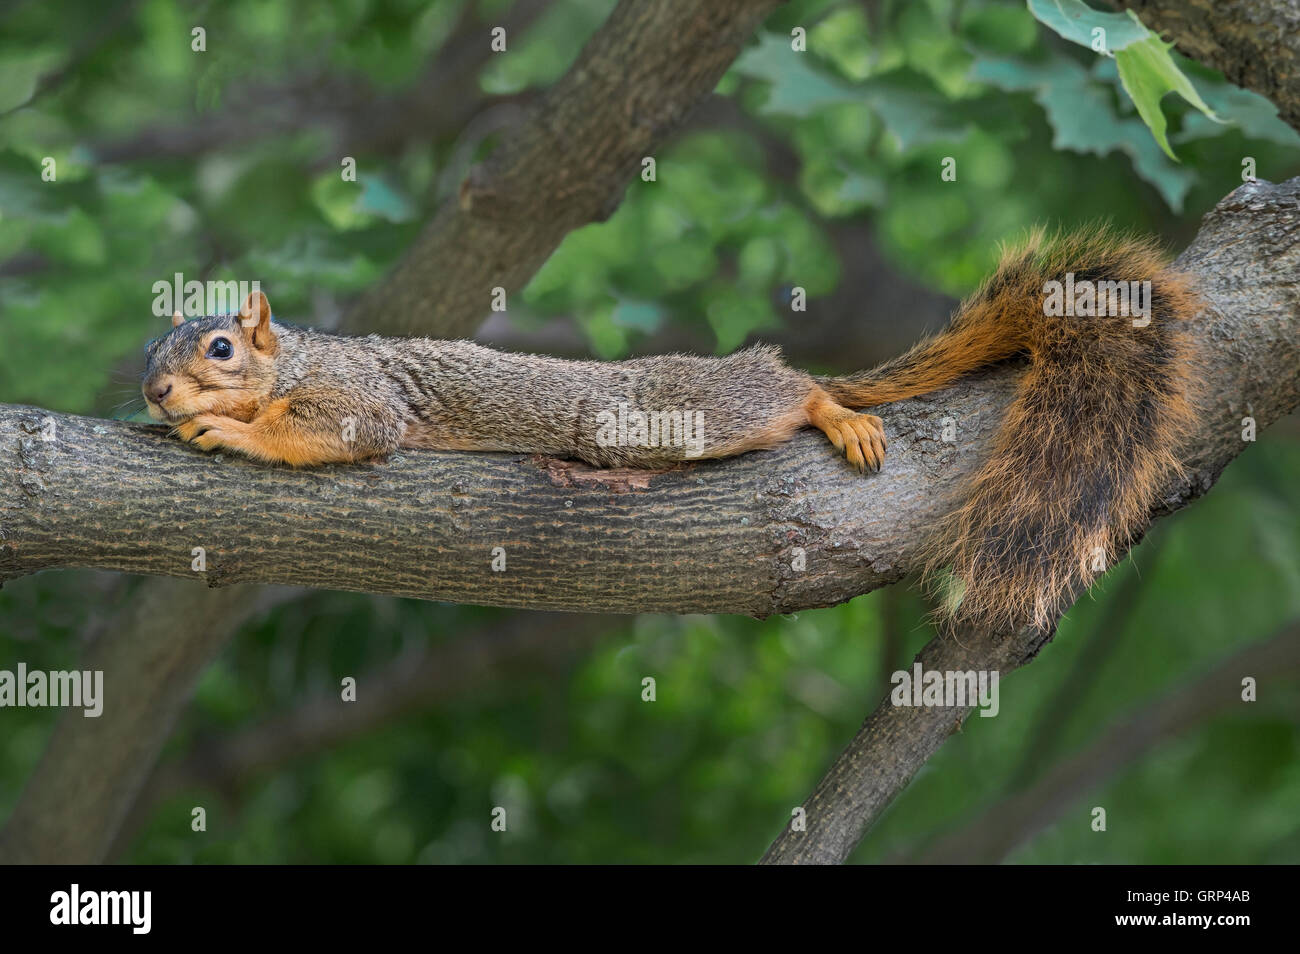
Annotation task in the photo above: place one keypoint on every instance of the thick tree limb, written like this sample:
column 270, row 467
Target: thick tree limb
column 713, row 537
column 1254, row 43
column 567, row 165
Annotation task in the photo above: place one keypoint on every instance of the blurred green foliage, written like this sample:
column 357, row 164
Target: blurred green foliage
column 748, row 713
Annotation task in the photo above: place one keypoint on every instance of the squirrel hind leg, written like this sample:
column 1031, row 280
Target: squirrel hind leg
column 860, row 436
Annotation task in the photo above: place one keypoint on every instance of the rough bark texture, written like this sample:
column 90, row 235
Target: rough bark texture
column 893, row 743
column 567, row 165
column 848, row 521
column 1254, row 43
column 712, row 537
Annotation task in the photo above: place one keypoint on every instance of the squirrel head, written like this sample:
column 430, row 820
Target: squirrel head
column 218, row 364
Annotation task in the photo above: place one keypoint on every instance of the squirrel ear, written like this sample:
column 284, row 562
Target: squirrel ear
column 255, row 318
column 177, row 319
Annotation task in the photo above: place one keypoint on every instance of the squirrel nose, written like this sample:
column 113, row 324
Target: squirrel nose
column 159, row 392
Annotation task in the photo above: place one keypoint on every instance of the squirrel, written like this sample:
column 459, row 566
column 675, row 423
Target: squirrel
column 1075, row 466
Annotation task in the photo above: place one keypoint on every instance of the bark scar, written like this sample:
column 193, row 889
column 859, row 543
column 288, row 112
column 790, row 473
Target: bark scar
column 618, row 480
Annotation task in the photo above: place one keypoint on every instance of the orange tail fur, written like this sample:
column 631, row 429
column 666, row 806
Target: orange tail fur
column 1090, row 439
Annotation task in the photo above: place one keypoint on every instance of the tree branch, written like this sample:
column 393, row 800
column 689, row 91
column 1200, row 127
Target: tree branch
column 893, row 743
column 1009, row 823
column 69, row 812
column 710, row 537
column 568, row 165
column 1102, row 639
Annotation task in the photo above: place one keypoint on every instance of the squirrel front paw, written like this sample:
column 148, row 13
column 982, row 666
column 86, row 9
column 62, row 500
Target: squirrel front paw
column 204, row 431
column 187, row 430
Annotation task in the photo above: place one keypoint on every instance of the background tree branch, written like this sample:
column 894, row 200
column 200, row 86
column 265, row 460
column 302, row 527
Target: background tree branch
column 1102, row 639
column 567, row 165
column 998, row 830
column 109, row 760
column 73, row 805
column 1254, row 43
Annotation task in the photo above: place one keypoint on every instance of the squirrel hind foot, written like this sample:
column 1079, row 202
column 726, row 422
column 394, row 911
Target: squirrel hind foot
column 860, row 436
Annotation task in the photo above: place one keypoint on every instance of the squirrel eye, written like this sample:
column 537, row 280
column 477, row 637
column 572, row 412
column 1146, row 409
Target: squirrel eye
column 220, row 349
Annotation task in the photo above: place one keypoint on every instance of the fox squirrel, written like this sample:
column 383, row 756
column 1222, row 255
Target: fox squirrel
column 1072, row 473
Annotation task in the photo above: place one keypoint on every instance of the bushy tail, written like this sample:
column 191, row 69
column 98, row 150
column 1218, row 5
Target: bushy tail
column 1091, row 437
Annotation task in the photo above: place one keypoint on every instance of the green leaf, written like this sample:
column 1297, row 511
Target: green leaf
column 733, row 315
column 914, row 114
column 1148, row 73
column 608, row 339
column 378, row 197
column 1000, row 29
column 1254, row 115
column 1079, row 109
column 19, row 76
column 1078, row 23
column 75, row 238
column 640, row 315
column 797, row 87
column 843, row 37
column 1146, row 69
column 906, row 101
column 835, row 190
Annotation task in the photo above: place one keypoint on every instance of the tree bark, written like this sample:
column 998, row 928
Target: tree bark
column 569, row 164
column 159, row 491
column 710, row 537
column 893, row 743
